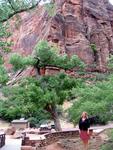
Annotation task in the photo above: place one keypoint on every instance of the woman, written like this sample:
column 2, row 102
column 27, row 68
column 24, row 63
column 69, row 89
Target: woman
column 84, row 124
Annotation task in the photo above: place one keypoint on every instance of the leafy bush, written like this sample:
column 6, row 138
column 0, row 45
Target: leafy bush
column 94, row 48
column 1, row 60
column 33, row 98
column 92, row 108
column 109, row 144
column 110, row 62
column 96, row 99
column 51, row 9
column 3, row 75
column 101, row 76
column 14, row 109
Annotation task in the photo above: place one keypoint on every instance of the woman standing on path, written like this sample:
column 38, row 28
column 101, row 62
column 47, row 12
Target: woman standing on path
column 84, row 124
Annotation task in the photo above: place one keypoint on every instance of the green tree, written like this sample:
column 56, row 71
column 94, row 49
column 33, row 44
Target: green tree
column 46, row 55
column 44, row 94
column 8, row 8
column 96, row 99
column 4, row 48
column 51, row 90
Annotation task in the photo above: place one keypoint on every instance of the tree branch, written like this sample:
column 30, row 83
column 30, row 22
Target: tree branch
column 18, row 11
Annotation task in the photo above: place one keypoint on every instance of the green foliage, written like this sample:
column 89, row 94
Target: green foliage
column 93, row 47
column 4, row 34
column 40, row 117
column 13, row 109
column 110, row 62
column 47, row 56
column 3, row 30
column 5, row 10
column 1, row 60
column 17, row 61
column 51, row 9
column 3, row 75
column 9, row 7
column 100, row 76
column 5, row 47
column 20, row 62
column 96, row 99
column 109, row 144
column 31, row 97
column 19, row 102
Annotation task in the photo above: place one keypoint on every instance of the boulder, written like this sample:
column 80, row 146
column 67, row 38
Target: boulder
column 10, row 131
column 27, row 148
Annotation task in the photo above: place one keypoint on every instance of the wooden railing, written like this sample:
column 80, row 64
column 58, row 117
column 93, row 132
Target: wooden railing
column 2, row 139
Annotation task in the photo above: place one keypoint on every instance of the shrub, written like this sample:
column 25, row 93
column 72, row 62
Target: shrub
column 109, row 144
column 51, row 9
column 93, row 47
column 3, row 75
column 92, row 108
column 110, row 62
column 96, row 99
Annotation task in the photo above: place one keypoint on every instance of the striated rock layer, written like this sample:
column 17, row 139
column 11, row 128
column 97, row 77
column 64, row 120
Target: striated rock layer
column 77, row 25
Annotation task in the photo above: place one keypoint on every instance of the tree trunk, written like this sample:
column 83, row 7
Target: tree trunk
column 55, row 118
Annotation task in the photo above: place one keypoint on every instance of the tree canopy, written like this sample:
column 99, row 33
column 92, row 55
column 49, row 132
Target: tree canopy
column 32, row 95
column 46, row 55
column 9, row 8
column 96, row 99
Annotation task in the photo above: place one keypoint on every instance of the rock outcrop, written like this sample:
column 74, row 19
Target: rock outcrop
column 77, row 25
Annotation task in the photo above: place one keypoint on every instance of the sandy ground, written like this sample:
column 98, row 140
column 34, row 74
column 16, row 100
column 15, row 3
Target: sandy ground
column 74, row 144
column 4, row 124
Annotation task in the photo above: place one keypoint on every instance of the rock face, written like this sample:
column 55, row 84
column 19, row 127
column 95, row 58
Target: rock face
column 77, row 25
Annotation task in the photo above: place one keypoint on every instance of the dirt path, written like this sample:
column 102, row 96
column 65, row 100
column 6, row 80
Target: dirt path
column 75, row 144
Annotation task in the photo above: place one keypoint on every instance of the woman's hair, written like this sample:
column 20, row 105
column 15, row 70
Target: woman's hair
column 84, row 114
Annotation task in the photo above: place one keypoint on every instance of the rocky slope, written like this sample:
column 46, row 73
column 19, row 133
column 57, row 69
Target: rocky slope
column 77, row 26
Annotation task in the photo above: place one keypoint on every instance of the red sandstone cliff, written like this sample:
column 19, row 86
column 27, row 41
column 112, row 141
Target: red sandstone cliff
column 76, row 25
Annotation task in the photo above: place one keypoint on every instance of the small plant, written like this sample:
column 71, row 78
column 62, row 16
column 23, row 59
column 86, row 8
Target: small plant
column 3, row 75
column 96, row 99
column 100, row 76
column 110, row 62
column 51, row 9
column 1, row 60
column 109, row 144
column 4, row 34
column 93, row 47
